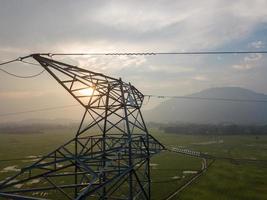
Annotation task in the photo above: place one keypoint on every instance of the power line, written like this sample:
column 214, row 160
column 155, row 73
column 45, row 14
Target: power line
column 10, row 61
column 21, row 59
column 208, row 98
column 210, row 52
column 149, row 96
column 19, row 76
column 137, row 54
column 153, row 53
column 38, row 110
column 30, row 63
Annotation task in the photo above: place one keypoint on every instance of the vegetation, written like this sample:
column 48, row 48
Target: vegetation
column 215, row 129
column 225, row 179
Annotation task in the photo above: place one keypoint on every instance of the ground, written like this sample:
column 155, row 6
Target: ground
column 224, row 180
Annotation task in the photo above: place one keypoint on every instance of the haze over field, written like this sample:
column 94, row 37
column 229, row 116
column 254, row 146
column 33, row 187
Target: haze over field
column 179, row 110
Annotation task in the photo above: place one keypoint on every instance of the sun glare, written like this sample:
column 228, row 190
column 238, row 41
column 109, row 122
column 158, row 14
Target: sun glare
column 87, row 92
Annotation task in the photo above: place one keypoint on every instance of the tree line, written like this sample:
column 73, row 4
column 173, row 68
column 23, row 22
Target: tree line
column 217, row 129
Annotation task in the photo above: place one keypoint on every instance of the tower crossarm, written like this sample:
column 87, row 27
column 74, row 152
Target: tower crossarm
column 88, row 87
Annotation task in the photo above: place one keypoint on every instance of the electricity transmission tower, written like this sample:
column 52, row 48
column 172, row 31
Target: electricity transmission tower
column 110, row 154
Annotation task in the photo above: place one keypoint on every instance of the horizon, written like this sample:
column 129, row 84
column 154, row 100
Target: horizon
column 223, row 99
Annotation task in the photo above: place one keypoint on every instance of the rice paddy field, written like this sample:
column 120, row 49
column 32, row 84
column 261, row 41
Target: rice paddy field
column 244, row 177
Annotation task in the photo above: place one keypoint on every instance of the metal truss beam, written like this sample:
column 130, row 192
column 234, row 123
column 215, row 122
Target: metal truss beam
column 110, row 154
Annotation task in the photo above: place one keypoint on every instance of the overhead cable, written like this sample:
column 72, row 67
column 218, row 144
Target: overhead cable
column 208, row 98
column 149, row 96
column 154, row 53
column 19, row 76
column 38, row 110
column 10, row 61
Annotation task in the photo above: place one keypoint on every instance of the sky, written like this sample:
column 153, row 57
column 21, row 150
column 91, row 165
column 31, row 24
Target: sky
column 34, row 26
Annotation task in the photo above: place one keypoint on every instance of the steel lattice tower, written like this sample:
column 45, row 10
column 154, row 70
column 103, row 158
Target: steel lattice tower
column 109, row 156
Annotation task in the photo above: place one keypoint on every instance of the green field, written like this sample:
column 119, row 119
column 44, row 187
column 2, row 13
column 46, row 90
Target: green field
column 225, row 179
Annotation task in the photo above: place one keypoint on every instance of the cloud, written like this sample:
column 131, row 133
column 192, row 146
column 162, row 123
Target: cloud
column 171, row 68
column 244, row 66
column 257, row 44
column 249, row 62
column 200, row 78
column 127, row 25
column 253, row 57
column 141, row 16
column 109, row 63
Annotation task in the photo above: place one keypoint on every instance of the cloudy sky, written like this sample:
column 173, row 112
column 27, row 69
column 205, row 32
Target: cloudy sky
column 32, row 26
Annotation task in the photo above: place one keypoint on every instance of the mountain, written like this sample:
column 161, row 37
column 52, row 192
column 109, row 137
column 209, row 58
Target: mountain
column 214, row 112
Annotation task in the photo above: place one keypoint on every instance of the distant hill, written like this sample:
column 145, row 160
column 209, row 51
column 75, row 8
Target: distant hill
column 207, row 111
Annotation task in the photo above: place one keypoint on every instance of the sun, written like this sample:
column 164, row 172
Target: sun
column 87, row 92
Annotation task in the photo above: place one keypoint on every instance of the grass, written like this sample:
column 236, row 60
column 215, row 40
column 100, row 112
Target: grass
column 224, row 180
